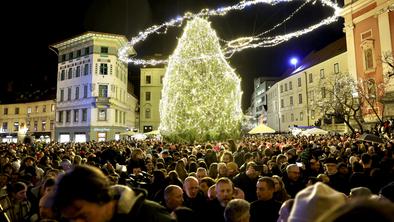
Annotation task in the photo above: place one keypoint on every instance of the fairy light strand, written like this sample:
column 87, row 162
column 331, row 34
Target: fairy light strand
column 233, row 46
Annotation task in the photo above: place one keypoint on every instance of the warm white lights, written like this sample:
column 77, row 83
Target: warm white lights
column 201, row 97
column 232, row 46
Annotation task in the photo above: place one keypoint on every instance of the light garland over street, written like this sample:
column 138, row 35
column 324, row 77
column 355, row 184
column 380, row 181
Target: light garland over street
column 232, row 46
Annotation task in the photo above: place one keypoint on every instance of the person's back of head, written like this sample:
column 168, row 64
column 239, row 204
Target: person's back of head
column 237, row 210
column 82, row 183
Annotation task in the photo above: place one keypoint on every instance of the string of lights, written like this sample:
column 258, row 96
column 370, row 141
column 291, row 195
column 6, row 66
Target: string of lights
column 232, row 46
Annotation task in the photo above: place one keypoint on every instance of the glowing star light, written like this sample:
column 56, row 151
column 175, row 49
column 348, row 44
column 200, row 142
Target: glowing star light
column 236, row 45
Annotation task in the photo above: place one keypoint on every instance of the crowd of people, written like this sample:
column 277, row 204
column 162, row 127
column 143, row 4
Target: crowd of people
column 265, row 178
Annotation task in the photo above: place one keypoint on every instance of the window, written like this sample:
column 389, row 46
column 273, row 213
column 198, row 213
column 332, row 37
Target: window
column 321, row 73
column 52, row 125
column 101, row 137
column 281, row 88
column 104, row 50
column 70, row 73
column 147, row 96
column 301, row 116
column 84, row 115
column 86, row 70
column 68, row 116
column 52, row 107
column 35, row 126
column 77, row 92
column 85, row 91
column 60, row 115
column 323, row 92
column 76, row 115
column 36, row 109
column 336, row 68
column 292, row 117
column 283, row 118
column 300, row 98
column 290, row 85
column 63, row 57
column 63, row 75
column 5, row 111
column 285, row 87
column 103, row 90
column 103, row 69
column 299, row 82
column 87, row 51
column 368, row 59
column 78, row 71
column 161, row 79
column 68, row 94
column 5, row 126
column 102, row 114
column 282, row 103
column 44, row 108
column 79, row 53
column 148, row 79
column 310, row 78
column 29, row 110
column 61, row 95
column 147, row 113
column 291, row 100
column 311, row 95
column 16, row 126
column 43, row 125
column 70, row 55
column 16, row 110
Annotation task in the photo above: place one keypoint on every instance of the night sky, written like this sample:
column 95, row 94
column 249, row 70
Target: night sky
column 34, row 25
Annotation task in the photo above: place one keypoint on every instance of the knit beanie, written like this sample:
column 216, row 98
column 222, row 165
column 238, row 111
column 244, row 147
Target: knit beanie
column 315, row 200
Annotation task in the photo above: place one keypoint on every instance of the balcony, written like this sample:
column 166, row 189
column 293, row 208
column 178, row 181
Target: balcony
column 102, row 101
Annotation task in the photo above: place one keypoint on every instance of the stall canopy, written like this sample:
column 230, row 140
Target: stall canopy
column 261, row 129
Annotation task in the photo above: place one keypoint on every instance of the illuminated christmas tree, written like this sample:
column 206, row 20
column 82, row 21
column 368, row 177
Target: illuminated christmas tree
column 201, row 96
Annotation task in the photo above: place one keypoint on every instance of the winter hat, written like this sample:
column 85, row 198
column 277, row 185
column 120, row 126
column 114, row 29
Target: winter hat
column 315, row 200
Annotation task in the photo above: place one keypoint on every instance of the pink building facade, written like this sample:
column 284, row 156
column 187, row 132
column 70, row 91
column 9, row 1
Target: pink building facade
column 369, row 28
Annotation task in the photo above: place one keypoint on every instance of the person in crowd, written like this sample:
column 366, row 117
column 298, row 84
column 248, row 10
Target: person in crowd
column 205, row 184
column 224, row 193
column 201, row 173
column 173, row 197
column 280, row 193
column 193, row 197
column 227, row 157
column 84, row 193
column 247, row 180
column 237, row 210
column 19, row 207
column 292, row 180
column 265, row 208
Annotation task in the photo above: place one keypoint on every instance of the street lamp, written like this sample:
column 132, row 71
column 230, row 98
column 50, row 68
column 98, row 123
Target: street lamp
column 294, row 62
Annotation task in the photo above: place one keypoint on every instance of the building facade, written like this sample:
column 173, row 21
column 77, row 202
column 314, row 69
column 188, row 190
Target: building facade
column 291, row 100
column 35, row 119
column 150, row 95
column 93, row 101
column 369, row 28
column 259, row 98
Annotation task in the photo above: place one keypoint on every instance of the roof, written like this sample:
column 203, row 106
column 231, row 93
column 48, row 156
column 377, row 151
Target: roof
column 86, row 35
column 315, row 57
